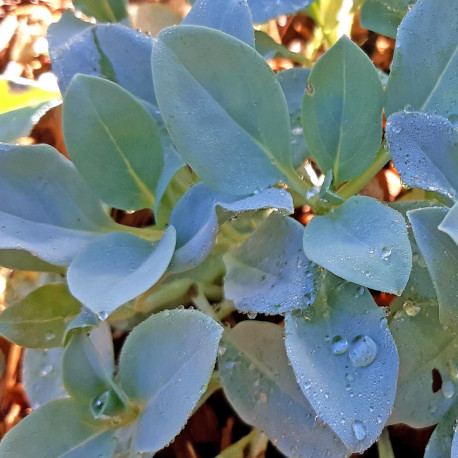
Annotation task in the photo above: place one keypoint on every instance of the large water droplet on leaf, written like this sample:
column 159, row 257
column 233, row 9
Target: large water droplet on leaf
column 339, row 345
column 359, row 430
column 363, row 351
column 411, row 308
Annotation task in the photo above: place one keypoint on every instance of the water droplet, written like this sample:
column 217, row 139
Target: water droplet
column 221, row 350
column 319, row 421
column 359, row 291
column 50, row 336
column 251, row 315
column 396, row 129
column 386, row 252
column 45, row 370
column 263, row 398
column 359, row 429
column 103, row 315
column 405, row 185
column 411, row 308
column 363, row 351
column 297, row 131
column 383, row 322
column 379, row 419
column 97, row 404
column 309, row 89
column 448, row 389
column 308, row 385
column 339, row 345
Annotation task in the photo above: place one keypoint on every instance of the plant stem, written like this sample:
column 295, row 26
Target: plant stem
column 201, row 302
column 384, row 445
column 355, row 185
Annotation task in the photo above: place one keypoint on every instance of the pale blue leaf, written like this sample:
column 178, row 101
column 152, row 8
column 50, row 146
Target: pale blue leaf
column 277, row 283
column 455, row 443
column 199, row 213
column 426, row 53
column 362, row 241
column 425, row 151
column 345, row 361
column 230, row 16
column 165, row 365
column 118, row 267
column 261, row 386
column 50, row 211
column 441, row 255
column 263, row 10
column 237, row 140
column 449, row 224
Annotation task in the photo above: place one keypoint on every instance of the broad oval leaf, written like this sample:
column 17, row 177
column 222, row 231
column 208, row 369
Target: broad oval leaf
column 118, row 267
column 165, row 365
column 441, row 255
column 262, row 388
column 120, row 154
column 106, row 10
column 50, row 211
column 60, row 428
column 264, row 10
column 449, row 224
column 40, row 320
column 364, row 242
column 281, row 282
column 345, row 334
column 199, row 213
column 230, row 16
column 426, row 52
column 424, row 149
column 342, row 129
column 237, row 140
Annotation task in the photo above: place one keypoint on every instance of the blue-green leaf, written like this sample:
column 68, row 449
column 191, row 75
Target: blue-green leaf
column 293, row 83
column 118, row 267
column 441, row 255
column 345, row 361
column 165, row 365
column 120, row 154
column 39, row 320
column 262, row 388
column 426, row 52
column 230, row 16
column 449, row 224
column 61, row 428
column 343, row 131
column 105, row 10
column 425, row 150
column 264, row 10
column 364, row 242
column 50, row 211
column 277, row 283
column 237, row 140
column 23, row 260
column 199, row 213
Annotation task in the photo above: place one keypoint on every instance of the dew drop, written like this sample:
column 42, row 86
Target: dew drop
column 309, row 89
column 448, row 389
column 396, row 129
column 411, row 308
column 45, row 370
column 359, row 429
column 50, row 336
column 251, row 315
column 339, row 345
column 103, row 315
column 386, row 252
column 97, row 404
column 379, row 419
column 363, row 351
column 221, row 350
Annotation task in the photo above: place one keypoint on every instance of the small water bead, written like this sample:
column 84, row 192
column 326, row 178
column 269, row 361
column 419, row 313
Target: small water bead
column 297, row 131
column 448, row 389
column 251, row 315
column 386, row 253
column 359, row 429
column 45, row 370
column 411, row 308
column 50, row 336
column 309, row 89
column 103, row 315
column 222, row 350
column 339, row 345
column 363, row 351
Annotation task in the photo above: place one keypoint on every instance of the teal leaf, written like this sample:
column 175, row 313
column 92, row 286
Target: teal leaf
column 118, row 267
column 443, row 441
column 39, row 320
column 85, row 320
column 199, row 213
column 364, row 242
column 293, row 83
column 261, row 386
column 104, row 11
column 342, row 130
column 424, row 149
column 42, row 376
column 441, row 255
column 165, row 365
column 237, row 140
column 67, row 27
column 326, row 193
column 230, row 16
column 60, row 428
column 345, row 361
column 449, row 224
column 264, row 10
column 281, row 282
column 120, row 154
column 110, row 51
column 425, row 348
column 50, row 211
column 426, row 52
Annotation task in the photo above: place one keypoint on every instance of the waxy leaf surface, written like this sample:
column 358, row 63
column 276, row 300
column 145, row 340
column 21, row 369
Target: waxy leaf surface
column 449, row 224
column 443, row 441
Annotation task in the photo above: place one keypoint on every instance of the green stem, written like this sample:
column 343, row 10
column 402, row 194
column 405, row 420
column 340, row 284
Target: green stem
column 201, row 302
column 355, row 185
column 384, row 445
column 224, row 309
column 296, row 182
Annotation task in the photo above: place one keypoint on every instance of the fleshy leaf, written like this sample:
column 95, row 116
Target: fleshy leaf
column 118, row 267
column 40, row 320
column 364, row 242
column 120, row 154
column 237, row 140
column 199, row 213
column 60, row 428
column 165, row 365
column 50, row 211
column 345, row 361
column 264, row 10
column 426, row 52
column 424, row 149
column 441, row 255
column 449, row 224
column 105, row 11
column 262, row 388
column 342, row 130
column 281, row 282
column 230, row 16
